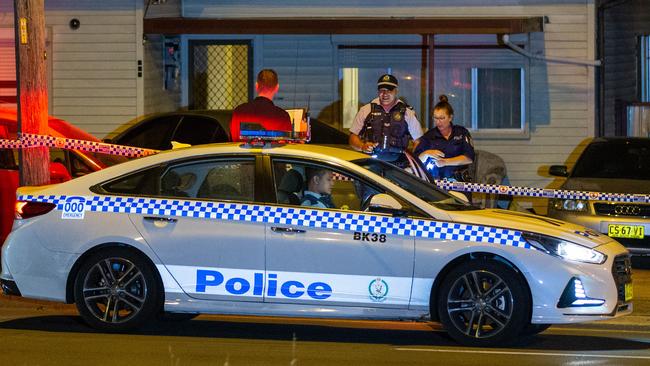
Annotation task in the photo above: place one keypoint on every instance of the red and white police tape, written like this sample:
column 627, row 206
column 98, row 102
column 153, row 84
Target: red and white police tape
column 32, row 140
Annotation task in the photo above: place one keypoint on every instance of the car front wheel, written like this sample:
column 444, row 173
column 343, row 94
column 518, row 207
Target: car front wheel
column 116, row 289
column 483, row 303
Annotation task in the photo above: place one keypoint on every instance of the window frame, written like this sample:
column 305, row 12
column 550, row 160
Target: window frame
column 162, row 168
column 413, row 211
column 466, row 42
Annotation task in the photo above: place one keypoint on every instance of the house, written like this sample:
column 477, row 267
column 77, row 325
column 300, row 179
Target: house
column 113, row 61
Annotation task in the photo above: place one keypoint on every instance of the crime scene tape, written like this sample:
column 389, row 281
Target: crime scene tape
column 541, row 192
column 32, row 140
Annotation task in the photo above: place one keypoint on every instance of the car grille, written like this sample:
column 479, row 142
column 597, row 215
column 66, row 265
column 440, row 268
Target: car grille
column 622, row 209
column 622, row 272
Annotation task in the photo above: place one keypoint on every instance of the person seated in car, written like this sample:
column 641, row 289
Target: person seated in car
column 319, row 188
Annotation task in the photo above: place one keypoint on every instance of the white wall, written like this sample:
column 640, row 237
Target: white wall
column 561, row 102
column 95, row 82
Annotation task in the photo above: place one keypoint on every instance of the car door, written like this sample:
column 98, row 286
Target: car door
column 216, row 257
column 320, row 256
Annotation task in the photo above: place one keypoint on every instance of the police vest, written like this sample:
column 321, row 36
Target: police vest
column 388, row 129
column 324, row 199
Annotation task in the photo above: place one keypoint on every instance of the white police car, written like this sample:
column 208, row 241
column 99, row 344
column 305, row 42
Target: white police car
column 220, row 229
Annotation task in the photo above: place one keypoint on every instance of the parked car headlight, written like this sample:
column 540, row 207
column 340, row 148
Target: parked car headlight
column 564, row 249
column 570, row 205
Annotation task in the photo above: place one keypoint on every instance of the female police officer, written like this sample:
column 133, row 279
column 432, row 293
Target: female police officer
column 447, row 149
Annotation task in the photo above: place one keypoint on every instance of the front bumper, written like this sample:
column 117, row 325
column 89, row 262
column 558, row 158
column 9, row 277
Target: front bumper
column 601, row 294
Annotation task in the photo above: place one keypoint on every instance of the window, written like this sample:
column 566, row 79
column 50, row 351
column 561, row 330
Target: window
column 197, row 130
column 345, row 192
column 417, row 187
column 361, row 65
column 644, row 67
column 9, row 159
column 143, row 182
column 220, row 180
column 153, row 134
column 231, row 180
column 485, row 84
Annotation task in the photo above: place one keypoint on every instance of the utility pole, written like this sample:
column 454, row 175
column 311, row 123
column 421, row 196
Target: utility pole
column 31, row 84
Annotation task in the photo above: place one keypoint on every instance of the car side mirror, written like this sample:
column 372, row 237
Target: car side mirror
column 58, row 173
column 558, row 171
column 384, row 203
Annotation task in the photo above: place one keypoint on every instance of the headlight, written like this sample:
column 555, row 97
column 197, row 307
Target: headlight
column 569, row 205
column 564, row 249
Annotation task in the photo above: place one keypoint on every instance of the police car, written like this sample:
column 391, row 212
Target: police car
column 221, row 229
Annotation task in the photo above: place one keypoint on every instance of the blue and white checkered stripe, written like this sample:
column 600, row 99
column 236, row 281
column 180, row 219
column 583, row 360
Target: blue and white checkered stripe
column 541, row 192
column 299, row 216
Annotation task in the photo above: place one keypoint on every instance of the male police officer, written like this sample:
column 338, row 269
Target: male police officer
column 261, row 110
column 386, row 125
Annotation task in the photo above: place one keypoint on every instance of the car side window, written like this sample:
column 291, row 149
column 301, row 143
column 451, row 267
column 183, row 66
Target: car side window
column 153, row 134
column 144, row 182
column 8, row 159
column 321, row 186
column 230, row 180
column 197, row 130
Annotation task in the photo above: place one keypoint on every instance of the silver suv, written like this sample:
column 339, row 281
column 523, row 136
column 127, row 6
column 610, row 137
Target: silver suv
column 611, row 165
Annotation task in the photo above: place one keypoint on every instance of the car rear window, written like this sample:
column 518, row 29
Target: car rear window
column 624, row 159
column 197, row 130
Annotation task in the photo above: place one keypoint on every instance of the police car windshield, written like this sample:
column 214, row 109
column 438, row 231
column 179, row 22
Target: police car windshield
column 414, row 185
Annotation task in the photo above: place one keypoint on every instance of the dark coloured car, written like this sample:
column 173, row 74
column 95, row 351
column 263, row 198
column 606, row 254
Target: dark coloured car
column 201, row 127
column 610, row 165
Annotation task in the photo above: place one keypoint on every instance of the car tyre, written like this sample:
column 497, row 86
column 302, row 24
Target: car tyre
column 483, row 303
column 532, row 329
column 116, row 289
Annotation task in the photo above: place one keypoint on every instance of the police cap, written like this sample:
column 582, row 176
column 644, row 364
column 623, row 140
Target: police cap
column 387, row 81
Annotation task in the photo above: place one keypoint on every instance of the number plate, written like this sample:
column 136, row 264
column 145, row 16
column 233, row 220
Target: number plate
column 626, row 231
column 628, row 292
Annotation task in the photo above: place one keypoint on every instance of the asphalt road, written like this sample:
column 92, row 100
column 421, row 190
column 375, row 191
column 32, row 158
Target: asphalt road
column 43, row 333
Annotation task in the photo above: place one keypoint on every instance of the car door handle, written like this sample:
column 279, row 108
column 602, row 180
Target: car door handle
column 158, row 218
column 288, row 230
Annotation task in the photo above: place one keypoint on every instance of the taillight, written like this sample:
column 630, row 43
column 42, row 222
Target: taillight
column 25, row 210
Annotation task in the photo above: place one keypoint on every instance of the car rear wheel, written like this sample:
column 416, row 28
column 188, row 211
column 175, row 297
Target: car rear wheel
column 483, row 303
column 116, row 289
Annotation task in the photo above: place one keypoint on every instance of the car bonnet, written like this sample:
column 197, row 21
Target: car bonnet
column 533, row 223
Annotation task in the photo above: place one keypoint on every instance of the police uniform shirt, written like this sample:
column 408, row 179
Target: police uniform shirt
column 411, row 120
column 317, row 200
column 262, row 111
column 459, row 143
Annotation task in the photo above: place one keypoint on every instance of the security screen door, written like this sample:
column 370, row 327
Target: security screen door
column 220, row 74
